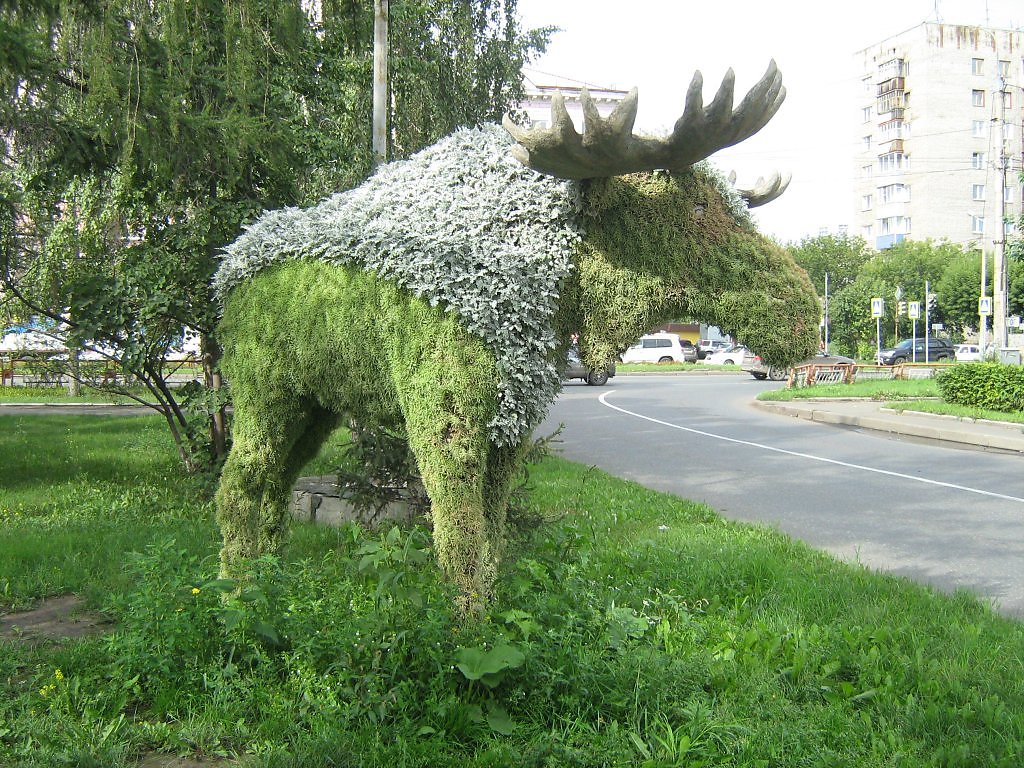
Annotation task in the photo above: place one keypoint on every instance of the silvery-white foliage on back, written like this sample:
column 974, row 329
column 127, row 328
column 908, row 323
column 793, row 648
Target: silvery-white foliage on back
column 461, row 224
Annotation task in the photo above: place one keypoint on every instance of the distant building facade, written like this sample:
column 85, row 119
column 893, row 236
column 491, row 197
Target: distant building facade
column 537, row 103
column 939, row 143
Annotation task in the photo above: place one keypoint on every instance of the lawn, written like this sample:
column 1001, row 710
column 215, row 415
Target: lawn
column 631, row 628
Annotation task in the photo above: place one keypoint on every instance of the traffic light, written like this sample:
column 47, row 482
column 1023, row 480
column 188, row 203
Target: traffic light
column 901, row 308
column 932, row 302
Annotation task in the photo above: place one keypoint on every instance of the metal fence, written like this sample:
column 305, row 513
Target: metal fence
column 815, row 374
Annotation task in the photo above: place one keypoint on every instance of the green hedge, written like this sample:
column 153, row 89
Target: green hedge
column 994, row 386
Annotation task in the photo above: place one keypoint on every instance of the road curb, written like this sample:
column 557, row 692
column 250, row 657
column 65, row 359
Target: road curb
column 896, row 425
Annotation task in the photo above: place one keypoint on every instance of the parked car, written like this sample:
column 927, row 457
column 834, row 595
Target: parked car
column 734, row 355
column 575, row 369
column 911, row 351
column 760, row 370
column 660, row 348
column 706, row 347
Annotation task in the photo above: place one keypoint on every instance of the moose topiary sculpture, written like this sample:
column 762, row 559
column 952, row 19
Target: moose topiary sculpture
column 440, row 295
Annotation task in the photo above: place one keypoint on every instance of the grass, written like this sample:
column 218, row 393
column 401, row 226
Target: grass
column 631, row 629
column 879, row 389
column 9, row 394
column 672, row 367
column 960, row 411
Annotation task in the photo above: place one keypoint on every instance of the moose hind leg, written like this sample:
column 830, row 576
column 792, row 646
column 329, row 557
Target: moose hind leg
column 256, row 483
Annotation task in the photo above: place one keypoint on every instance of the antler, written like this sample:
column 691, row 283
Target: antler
column 609, row 148
column 764, row 191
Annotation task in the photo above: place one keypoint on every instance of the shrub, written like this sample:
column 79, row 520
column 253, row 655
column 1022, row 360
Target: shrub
column 994, row 386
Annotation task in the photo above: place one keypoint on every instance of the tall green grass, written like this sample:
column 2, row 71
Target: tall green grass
column 630, row 629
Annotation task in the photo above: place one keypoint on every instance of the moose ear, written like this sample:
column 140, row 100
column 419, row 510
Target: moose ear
column 764, row 191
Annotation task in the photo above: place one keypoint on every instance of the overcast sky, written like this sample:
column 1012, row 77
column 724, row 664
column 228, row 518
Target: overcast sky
column 657, row 44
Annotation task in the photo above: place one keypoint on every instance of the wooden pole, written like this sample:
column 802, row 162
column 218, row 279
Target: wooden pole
column 380, row 82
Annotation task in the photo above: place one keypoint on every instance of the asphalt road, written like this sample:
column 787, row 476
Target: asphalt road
column 952, row 518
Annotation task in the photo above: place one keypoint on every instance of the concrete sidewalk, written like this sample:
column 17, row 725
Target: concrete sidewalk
column 871, row 414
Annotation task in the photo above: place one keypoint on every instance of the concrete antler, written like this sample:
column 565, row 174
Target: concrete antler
column 608, row 147
column 765, row 190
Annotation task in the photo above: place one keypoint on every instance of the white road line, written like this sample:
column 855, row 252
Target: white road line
column 810, row 456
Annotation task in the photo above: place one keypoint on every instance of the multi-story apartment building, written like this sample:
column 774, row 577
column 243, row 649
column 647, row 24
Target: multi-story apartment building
column 941, row 117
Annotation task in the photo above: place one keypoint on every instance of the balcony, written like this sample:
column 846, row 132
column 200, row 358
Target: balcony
column 888, row 241
column 890, row 103
column 892, row 145
column 892, row 84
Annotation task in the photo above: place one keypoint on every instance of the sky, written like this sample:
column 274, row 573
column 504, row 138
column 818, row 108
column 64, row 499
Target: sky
column 656, row 45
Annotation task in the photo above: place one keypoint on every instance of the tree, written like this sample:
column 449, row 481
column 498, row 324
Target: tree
column 142, row 135
column 841, row 256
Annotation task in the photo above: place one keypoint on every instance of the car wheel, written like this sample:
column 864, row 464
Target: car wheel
column 899, row 360
column 778, row 373
column 759, row 376
column 940, row 358
column 597, row 378
column 727, row 362
column 667, row 359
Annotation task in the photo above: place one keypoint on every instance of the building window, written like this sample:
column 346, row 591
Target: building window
column 978, row 225
column 978, row 161
column 1004, row 69
column 1008, row 194
column 977, row 66
column 978, row 97
column 1007, row 131
column 1008, row 99
column 865, row 202
column 866, row 231
column 977, row 191
column 867, row 142
column 978, row 129
column 865, row 171
column 869, row 86
column 1009, row 227
column 866, row 114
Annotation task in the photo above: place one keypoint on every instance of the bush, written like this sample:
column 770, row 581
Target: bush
column 994, row 386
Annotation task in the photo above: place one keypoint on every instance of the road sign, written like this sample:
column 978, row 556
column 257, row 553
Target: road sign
column 913, row 309
column 877, row 307
column 985, row 306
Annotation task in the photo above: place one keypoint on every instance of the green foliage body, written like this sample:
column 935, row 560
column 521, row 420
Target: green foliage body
column 994, row 386
column 308, row 342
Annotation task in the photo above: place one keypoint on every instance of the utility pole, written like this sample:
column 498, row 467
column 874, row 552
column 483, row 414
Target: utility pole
column 380, row 82
column 825, row 317
column 999, row 281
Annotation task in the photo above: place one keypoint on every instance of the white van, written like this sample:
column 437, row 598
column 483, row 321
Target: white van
column 660, row 348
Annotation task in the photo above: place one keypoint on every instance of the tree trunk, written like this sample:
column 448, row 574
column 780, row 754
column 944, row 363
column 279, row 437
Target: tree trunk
column 380, row 82
column 211, row 353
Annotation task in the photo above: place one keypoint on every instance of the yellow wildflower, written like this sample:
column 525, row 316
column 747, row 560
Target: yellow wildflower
column 195, row 590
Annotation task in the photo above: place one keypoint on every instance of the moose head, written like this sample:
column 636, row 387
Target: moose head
column 438, row 297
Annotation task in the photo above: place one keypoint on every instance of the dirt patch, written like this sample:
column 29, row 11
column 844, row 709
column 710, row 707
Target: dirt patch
column 54, row 619
column 163, row 760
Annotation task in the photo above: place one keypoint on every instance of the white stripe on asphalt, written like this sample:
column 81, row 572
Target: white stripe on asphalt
column 810, row 456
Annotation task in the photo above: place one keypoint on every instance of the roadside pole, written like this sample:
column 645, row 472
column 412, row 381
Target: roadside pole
column 927, row 320
column 877, row 309
column 914, row 312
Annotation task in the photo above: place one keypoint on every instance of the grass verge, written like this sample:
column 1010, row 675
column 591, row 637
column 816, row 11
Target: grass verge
column 882, row 389
column 632, row 628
